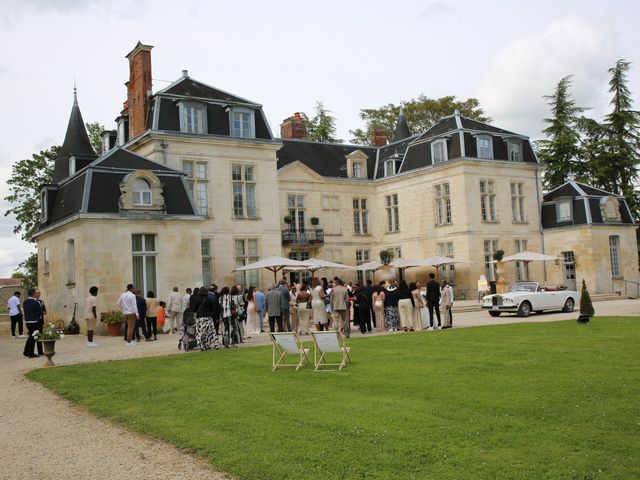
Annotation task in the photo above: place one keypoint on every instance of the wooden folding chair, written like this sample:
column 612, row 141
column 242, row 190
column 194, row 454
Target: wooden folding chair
column 325, row 342
column 288, row 343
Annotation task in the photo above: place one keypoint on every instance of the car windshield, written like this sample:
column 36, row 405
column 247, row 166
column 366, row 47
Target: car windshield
column 524, row 287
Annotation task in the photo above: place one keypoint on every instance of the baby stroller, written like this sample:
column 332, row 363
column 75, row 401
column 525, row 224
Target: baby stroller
column 188, row 339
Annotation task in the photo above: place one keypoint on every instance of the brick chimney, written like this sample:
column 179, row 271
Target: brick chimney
column 138, row 88
column 378, row 137
column 293, row 127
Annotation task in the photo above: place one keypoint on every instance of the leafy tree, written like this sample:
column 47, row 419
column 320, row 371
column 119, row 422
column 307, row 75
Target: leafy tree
column 322, row 127
column 421, row 113
column 28, row 271
column 560, row 151
column 27, row 178
column 94, row 130
column 616, row 153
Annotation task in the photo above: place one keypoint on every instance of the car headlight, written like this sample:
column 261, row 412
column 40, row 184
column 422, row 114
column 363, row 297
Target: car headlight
column 507, row 301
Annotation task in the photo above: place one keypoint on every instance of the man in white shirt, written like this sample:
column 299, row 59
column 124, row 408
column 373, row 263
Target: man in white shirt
column 15, row 313
column 128, row 306
column 174, row 306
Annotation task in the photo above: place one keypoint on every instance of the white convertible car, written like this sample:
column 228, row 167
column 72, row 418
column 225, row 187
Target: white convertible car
column 527, row 297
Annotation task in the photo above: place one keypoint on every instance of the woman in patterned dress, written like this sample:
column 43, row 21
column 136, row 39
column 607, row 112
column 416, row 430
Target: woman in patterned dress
column 391, row 314
column 236, row 322
column 206, row 336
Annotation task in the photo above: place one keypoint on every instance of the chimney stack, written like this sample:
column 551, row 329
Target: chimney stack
column 138, row 88
column 378, row 137
column 293, row 127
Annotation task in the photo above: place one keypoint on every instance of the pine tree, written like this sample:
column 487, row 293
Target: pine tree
column 322, row 127
column 586, row 307
column 561, row 151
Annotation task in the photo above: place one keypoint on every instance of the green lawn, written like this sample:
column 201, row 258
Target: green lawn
column 530, row 401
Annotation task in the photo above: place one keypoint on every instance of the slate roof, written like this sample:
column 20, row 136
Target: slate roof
column 99, row 185
column 585, row 204
column 402, row 128
column 76, row 143
column 188, row 87
column 326, row 159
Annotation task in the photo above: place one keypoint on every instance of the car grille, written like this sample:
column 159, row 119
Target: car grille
column 496, row 300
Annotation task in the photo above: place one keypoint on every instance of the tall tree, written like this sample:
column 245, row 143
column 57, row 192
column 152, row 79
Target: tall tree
column 28, row 271
column 322, row 126
column 616, row 165
column 561, row 150
column 94, row 130
column 421, row 113
column 27, row 178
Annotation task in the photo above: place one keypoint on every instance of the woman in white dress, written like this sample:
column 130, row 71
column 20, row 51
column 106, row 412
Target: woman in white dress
column 302, row 300
column 252, row 313
column 317, row 304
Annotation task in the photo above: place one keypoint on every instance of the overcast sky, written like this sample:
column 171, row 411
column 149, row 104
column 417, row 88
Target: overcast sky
column 286, row 55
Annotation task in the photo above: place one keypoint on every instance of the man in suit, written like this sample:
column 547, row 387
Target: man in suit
column 368, row 291
column 259, row 296
column 339, row 304
column 173, row 324
column 284, row 306
column 272, row 305
column 33, row 320
column 433, row 300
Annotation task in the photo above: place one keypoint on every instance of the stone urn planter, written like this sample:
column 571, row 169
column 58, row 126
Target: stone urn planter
column 49, row 350
column 113, row 329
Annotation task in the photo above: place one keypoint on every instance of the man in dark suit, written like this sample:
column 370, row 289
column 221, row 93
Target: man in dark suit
column 33, row 319
column 284, row 305
column 368, row 290
column 433, row 300
column 272, row 305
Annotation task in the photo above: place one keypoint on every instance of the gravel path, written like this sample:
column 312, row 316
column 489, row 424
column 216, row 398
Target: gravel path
column 42, row 435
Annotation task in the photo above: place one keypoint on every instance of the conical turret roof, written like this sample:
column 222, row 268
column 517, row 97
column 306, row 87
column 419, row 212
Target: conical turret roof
column 402, row 128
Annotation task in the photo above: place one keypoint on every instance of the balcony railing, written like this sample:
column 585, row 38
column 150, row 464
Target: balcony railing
column 303, row 237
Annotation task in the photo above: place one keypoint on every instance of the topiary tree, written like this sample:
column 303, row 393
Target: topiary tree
column 586, row 307
column 386, row 256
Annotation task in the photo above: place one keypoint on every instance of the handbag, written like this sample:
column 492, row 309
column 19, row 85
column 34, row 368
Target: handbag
column 309, row 304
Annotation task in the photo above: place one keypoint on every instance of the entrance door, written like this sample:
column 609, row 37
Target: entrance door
column 569, row 261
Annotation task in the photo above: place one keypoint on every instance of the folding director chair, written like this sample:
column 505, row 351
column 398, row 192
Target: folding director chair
column 288, row 343
column 330, row 342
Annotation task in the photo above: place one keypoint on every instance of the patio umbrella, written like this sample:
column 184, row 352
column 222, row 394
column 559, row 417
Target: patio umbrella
column 528, row 257
column 314, row 264
column 275, row 264
column 438, row 261
column 369, row 266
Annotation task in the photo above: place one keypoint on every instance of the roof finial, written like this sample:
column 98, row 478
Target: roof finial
column 75, row 93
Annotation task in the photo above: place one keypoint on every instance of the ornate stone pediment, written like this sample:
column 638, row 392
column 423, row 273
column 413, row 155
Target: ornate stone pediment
column 134, row 198
column 610, row 208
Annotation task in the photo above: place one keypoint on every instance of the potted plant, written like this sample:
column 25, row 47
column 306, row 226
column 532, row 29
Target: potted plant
column 498, row 255
column 501, row 284
column 586, row 307
column 113, row 319
column 315, row 221
column 386, row 256
column 48, row 337
column 287, row 219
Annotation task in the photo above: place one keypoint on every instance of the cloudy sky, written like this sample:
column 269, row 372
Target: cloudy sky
column 287, row 55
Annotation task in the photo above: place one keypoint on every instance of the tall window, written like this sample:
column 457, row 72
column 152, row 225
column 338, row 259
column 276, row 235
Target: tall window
column 244, row 190
column 198, row 184
column 488, row 201
column 490, row 270
column 515, row 154
column 522, row 268
column 246, row 251
column 207, row 262
column 389, row 167
column 447, row 272
column 363, row 256
column 614, row 254
column 485, row 146
column 70, row 269
column 144, row 262
column 439, row 151
column 443, row 204
column 242, row 123
column 295, row 204
column 360, row 216
column 393, row 216
column 357, row 170
column 46, row 261
column 331, row 214
column 141, row 193
column 517, row 202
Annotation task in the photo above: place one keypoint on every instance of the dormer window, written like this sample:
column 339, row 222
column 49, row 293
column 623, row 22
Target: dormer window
column 515, row 151
column 193, row 117
column 72, row 165
column 485, row 146
column 357, row 170
column 43, row 206
column 242, row 122
column 439, row 151
column 564, row 210
column 141, row 193
column 389, row 167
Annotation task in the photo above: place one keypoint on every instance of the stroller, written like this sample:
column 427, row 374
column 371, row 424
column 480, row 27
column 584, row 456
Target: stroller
column 188, row 339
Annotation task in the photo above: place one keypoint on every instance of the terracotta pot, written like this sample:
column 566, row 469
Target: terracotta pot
column 49, row 350
column 114, row 329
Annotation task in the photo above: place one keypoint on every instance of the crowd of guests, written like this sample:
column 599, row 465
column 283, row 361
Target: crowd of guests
column 231, row 315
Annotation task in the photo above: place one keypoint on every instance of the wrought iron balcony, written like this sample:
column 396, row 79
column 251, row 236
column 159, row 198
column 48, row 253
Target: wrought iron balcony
column 312, row 236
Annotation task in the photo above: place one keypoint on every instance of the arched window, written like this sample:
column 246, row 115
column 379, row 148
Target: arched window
column 141, row 192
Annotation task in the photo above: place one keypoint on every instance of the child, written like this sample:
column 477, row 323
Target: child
column 161, row 314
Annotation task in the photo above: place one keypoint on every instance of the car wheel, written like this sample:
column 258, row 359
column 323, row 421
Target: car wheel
column 524, row 310
column 495, row 314
column 568, row 305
